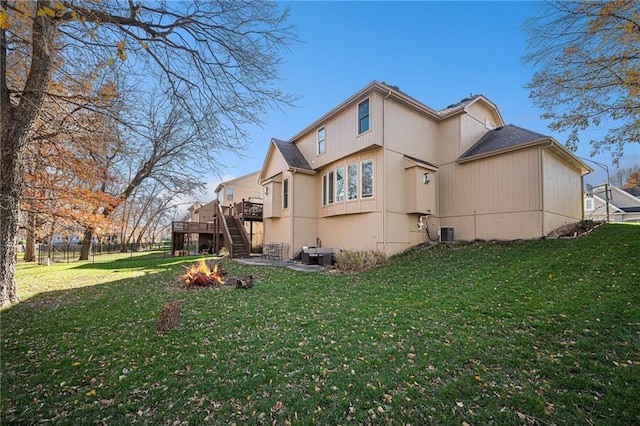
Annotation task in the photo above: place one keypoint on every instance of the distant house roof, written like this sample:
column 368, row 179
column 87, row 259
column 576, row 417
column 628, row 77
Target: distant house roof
column 502, row 138
column 633, row 191
column 292, row 155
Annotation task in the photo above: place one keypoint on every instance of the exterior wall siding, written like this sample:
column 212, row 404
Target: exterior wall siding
column 244, row 187
column 342, row 136
column 351, row 232
column 500, row 184
column 562, row 192
column 409, row 133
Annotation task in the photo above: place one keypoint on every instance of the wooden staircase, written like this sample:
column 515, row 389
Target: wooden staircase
column 238, row 241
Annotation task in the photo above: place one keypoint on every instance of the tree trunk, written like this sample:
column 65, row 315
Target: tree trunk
column 85, row 250
column 30, row 248
column 15, row 124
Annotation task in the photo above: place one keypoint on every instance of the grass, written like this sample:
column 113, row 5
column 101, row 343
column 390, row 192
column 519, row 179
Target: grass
column 537, row 332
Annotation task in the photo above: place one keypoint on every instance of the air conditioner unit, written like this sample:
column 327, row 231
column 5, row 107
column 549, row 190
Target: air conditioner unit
column 446, row 234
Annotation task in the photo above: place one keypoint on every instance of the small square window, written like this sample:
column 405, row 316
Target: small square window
column 588, row 203
column 321, row 141
column 363, row 116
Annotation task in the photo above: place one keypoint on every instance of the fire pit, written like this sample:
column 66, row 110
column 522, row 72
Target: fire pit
column 203, row 274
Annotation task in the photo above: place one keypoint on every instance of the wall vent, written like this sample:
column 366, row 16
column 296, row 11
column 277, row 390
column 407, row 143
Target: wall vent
column 446, row 234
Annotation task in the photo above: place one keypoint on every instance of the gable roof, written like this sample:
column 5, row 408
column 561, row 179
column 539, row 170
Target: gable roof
column 292, row 155
column 618, row 196
column 503, row 138
column 510, row 138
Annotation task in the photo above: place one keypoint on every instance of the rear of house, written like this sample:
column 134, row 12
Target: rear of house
column 383, row 171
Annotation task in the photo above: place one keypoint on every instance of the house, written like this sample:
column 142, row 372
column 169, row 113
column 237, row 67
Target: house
column 384, row 171
column 233, row 220
column 614, row 205
column 246, row 190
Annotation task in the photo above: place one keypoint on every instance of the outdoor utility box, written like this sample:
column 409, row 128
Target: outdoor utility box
column 446, row 234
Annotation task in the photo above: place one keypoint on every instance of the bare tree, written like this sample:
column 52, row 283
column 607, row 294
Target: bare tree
column 218, row 60
column 587, row 55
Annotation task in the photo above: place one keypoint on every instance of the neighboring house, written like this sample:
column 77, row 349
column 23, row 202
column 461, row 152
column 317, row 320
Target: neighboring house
column 244, row 188
column 623, row 206
column 238, row 189
column 365, row 174
column 233, row 221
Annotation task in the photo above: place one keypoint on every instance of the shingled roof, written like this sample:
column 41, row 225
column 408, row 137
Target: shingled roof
column 502, row 138
column 292, row 155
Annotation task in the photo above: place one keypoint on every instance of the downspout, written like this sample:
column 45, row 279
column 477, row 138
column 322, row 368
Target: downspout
column 291, row 198
column 384, row 174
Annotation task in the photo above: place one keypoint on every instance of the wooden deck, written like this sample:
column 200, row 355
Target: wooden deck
column 193, row 227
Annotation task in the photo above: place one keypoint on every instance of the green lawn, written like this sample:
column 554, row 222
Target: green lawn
column 538, row 332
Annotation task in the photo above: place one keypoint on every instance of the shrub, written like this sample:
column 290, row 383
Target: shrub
column 359, row 260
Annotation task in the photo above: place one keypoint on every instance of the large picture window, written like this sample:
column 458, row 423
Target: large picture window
column 321, row 141
column 363, row 116
column 352, row 182
column 367, row 178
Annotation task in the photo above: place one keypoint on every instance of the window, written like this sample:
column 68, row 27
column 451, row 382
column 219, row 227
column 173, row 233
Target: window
column 363, row 116
column 588, row 203
column 324, row 190
column 367, row 178
column 321, row 141
column 352, row 182
column 229, row 194
column 339, row 184
column 330, row 188
column 285, row 194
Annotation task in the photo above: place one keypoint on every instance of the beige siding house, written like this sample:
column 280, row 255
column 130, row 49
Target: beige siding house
column 243, row 189
column 383, row 171
column 623, row 206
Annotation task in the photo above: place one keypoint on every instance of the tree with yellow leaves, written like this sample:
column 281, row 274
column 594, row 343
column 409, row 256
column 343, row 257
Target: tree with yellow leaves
column 587, row 60
column 217, row 61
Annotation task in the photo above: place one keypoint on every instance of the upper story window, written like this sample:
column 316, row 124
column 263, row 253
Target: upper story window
column 321, row 141
column 366, row 168
column 363, row 116
column 229, row 192
column 588, row 203
column 285, row 193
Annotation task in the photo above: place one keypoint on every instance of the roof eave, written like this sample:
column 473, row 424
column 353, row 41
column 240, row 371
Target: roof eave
column 503, row 150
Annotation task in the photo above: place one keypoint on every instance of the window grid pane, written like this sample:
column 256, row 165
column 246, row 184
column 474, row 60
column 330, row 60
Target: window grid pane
column 363, row 116
column 285, row 194
column 367, row 179
column 330, row 189
column 352, row 184
column 321, row 141
column 340, row 184
column 324, row 190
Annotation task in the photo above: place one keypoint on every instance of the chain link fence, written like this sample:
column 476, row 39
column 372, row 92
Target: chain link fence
column 47, row 254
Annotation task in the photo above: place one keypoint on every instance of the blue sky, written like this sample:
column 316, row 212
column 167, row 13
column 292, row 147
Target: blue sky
column 437, row 52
